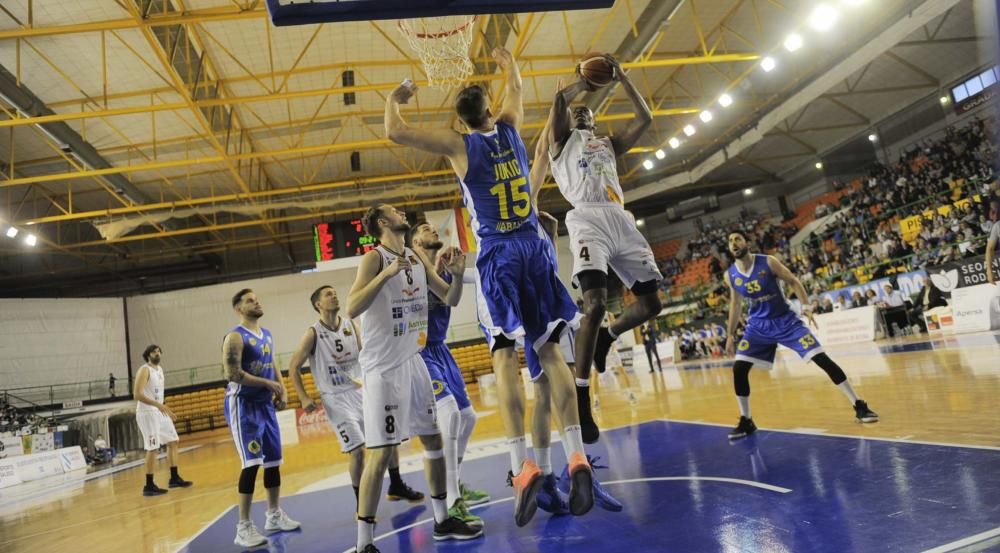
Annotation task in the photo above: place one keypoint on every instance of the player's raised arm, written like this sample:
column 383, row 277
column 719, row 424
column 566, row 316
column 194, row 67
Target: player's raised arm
column 512, row 110
column 540, row 165
column 782, row 272
column 624, row 142
column 306, row 345
column 559, row 116
column 369, row 281
column 735, row 306
column 445, row 142
column 454, row 262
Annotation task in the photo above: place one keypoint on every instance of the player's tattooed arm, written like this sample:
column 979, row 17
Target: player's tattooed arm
column 369, row 281
column 232, row 357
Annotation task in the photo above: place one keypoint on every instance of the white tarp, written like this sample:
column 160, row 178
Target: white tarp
column 844, row 327
column 59, row 341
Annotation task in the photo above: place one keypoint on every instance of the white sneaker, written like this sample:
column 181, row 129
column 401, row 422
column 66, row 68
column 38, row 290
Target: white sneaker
column 247, row 535
column 278, row 521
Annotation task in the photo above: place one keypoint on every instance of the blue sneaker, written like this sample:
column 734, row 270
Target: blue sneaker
column 603, row 499
column 549, row 499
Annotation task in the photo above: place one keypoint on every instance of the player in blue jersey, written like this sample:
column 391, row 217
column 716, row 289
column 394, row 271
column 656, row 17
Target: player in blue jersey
column 456, row 417
column 254, row 390
column 771, row 322
column 520, row 286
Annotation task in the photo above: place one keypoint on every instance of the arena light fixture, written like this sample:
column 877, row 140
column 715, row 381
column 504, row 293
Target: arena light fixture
column 768, row 64
column 819, row 165
column 648, row 164
column 793, row 42
column 689, row 130
column 660, row 154
column 823, row 18
column 872, row 137
column 30, row 239
column 705, row 116
column 945, row 100
column 11, row 232
column 725, row 100
column 675, row 143
column 640, row 223
column 748, row 191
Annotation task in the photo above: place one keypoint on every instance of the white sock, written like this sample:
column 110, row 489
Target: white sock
column 845, row 387
column 572, row 441
column 744, row 402
column 440, row 509
column 366, row 534
column 450, row 422
column 543, row 456
column 518, row 453
column 583, row 382
column 469, row 418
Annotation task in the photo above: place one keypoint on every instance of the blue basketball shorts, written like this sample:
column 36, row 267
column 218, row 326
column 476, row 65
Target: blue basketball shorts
column 446, row 377
column 762, row 336
column 254, row 425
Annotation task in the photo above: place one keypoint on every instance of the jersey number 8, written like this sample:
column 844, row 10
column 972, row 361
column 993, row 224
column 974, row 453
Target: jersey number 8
column 520, row 196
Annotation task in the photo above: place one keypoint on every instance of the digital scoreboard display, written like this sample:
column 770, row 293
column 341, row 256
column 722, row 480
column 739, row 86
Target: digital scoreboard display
column 341, row 239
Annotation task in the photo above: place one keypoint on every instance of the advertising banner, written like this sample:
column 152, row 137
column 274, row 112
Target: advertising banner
column 72, row 458
column 907, row 283
column 11, row 447
column 8, row 473
column 844, row 327
column 38, row 466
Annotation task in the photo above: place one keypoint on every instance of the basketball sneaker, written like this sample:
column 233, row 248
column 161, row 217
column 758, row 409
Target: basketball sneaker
column 588, row 428
column 247, row 535
column 278, row 521
column 473, row 497
column 461, row 511
column 744, row 428
column 602, row 498
column 452, row 528
column 581, row 480
column 863, row 413
column 370, row 548
column 549, row 498
column 405, row 492
column 179, row 483
column 526, row 485
column 153, row 490
column 604, row 341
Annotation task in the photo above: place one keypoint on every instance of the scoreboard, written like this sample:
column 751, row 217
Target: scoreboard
column 341, row 239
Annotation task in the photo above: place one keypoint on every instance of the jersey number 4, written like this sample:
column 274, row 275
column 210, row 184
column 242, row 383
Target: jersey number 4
column 518, row 194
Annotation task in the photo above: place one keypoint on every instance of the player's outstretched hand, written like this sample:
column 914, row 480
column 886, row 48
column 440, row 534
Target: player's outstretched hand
column 617, row 73
column 404, row 91
column 730, row 347
column 398, row 265
column 503, row 57
column 454, row 260
column 273, row 386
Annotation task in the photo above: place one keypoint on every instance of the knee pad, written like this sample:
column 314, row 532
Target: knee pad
column 272, row 477
column 248, row 478
column 741, row 377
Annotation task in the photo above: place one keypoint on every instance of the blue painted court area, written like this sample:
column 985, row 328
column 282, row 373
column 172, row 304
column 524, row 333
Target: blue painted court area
column 687, row 489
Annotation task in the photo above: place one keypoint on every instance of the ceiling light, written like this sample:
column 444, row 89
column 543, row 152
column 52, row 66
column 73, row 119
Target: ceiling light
column 823, row 18
column 873, row 137
column 705, row 116
column 648, row 164
column 945, row 99
column 819, row 165
column 11, row 232
column 689, row 130
column 725, row 100
column 793, row 42
column 768, row 64
column 675, row 143
column 640, row 222
column 660, row 154
column 30, row 240
column 748, row 191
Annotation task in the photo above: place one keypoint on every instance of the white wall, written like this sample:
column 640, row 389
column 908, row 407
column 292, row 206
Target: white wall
column 61, row 341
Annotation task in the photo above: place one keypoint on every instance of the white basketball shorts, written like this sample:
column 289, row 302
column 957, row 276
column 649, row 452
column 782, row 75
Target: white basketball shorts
column 156, row 428
column 606, row 236
column 398, row 404
column 345, row 411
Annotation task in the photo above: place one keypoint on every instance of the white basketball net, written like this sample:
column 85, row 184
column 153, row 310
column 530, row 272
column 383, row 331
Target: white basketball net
column 442, row 43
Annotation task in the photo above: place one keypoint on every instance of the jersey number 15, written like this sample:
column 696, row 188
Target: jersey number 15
column 521, row 198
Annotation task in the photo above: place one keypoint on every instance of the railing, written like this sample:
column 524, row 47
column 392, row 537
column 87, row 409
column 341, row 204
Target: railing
column 55, row 394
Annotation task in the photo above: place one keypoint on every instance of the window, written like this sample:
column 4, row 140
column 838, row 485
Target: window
column 959, row 93
column 988, row 78
column 974, row 86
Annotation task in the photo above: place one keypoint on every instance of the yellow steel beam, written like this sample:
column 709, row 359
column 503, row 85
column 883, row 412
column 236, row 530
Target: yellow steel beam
column 174, row 106
column 190, row 16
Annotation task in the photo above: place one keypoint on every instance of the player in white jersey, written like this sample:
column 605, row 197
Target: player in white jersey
column 332, row 346
column 390, row 295
column 155, row 420
column 602, row 234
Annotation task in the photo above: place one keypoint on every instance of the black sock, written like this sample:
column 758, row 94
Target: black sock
column 149, row 481
column 394, row 478
column 173, row 474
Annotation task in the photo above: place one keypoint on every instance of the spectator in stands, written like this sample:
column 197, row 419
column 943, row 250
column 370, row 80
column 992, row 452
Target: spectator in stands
column 111, row 384
column 649, row 340
column 843, row 303
column 102, row 452
column 858, row 300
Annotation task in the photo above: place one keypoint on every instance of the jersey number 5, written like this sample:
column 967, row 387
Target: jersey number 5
column 520, row 197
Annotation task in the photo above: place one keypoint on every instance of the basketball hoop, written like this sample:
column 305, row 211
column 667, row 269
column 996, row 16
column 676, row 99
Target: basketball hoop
column 442, row 44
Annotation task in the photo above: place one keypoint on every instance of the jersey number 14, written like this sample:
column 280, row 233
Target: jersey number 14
column 517, row 193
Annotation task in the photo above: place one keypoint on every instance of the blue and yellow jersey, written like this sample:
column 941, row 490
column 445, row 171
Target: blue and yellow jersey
column 760, row 287
column 257, row 360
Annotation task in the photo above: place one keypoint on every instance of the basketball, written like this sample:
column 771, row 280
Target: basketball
column 596, row 69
